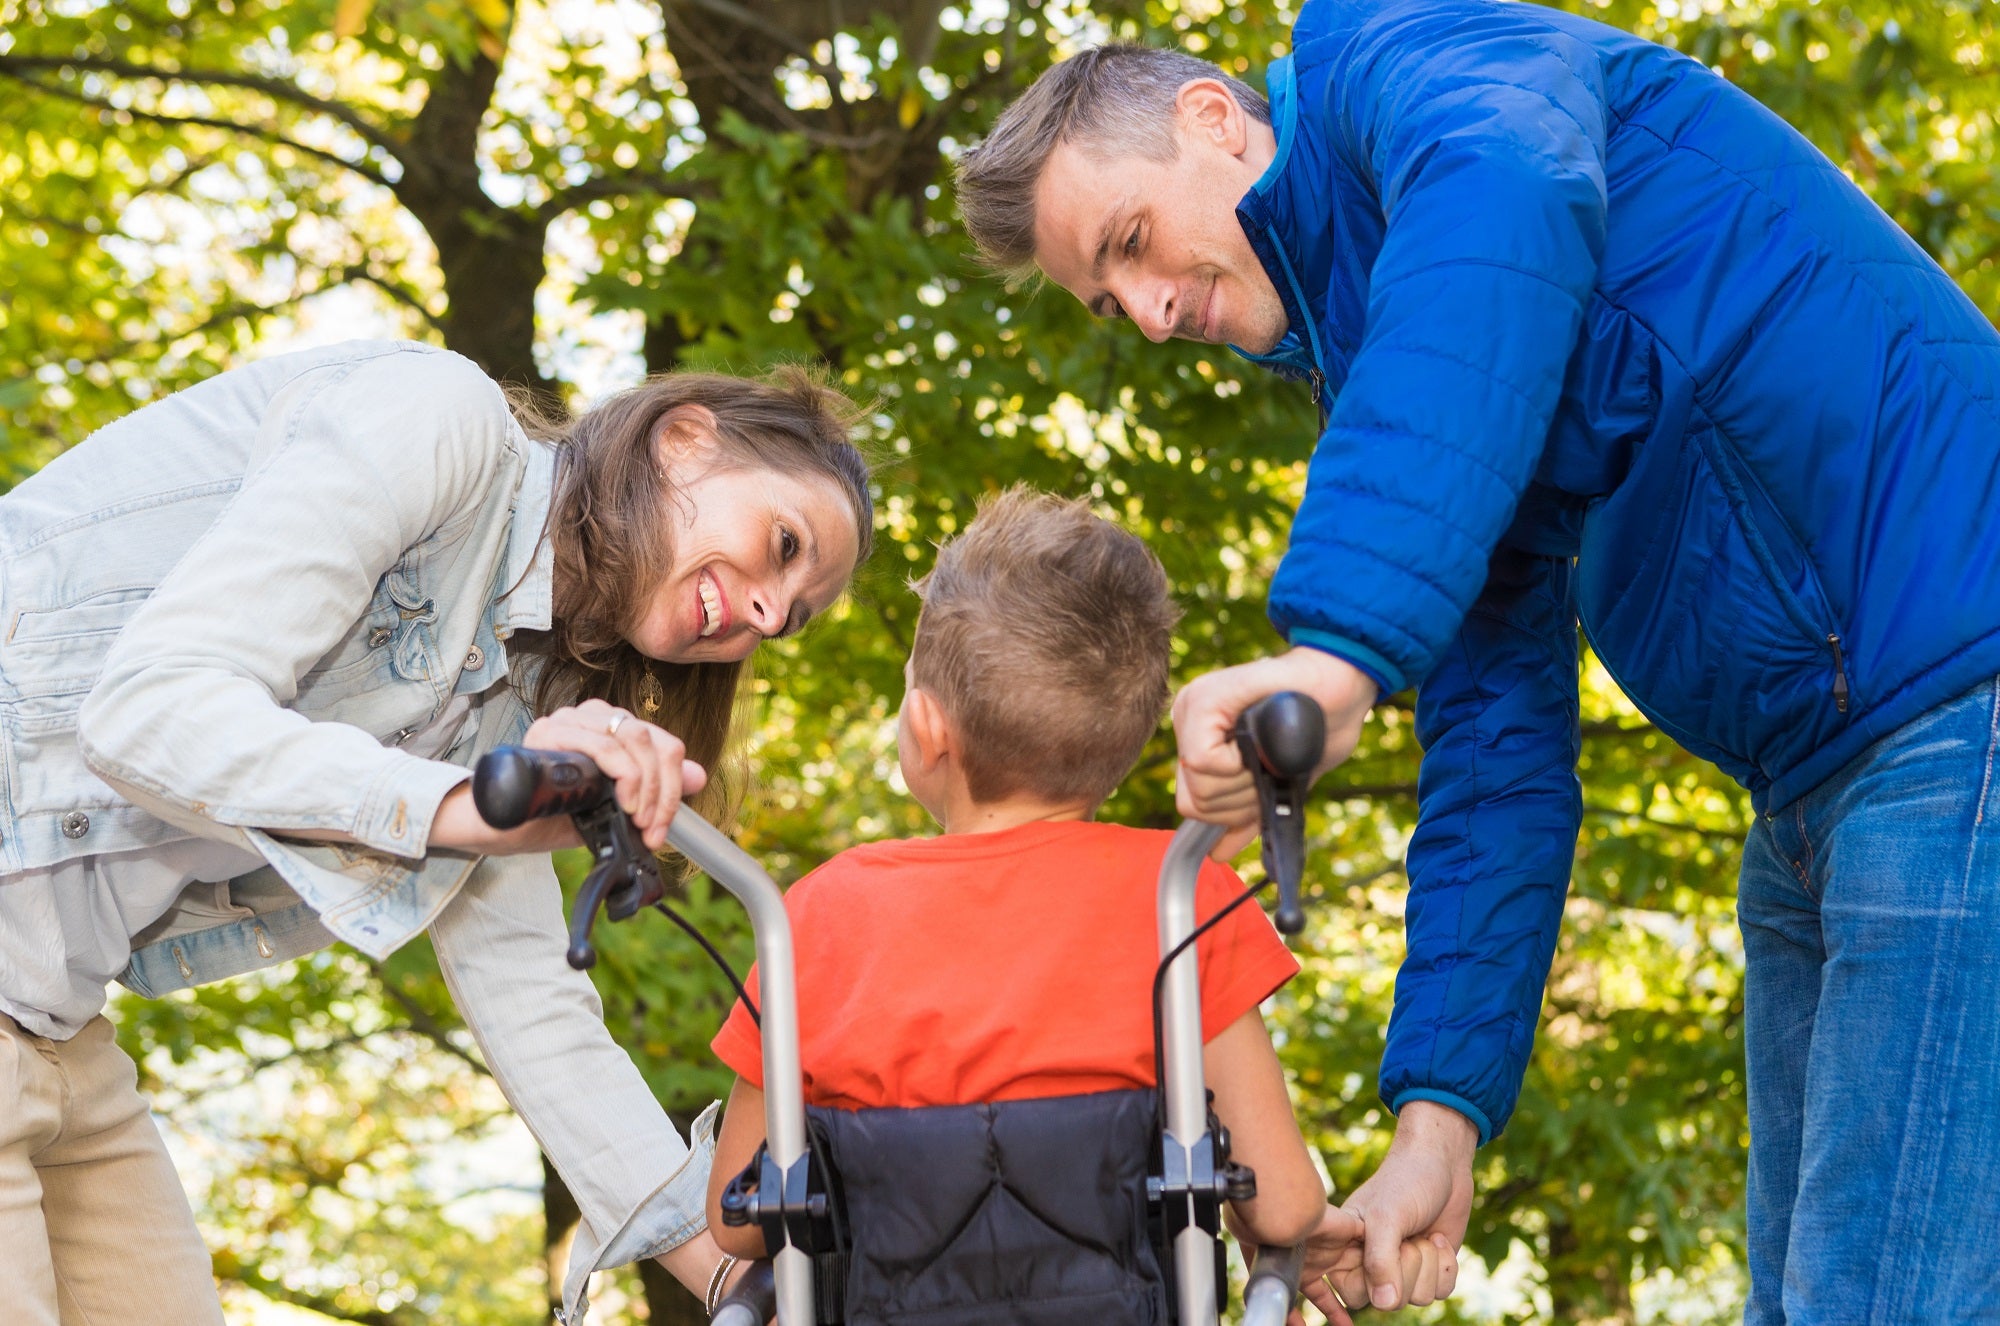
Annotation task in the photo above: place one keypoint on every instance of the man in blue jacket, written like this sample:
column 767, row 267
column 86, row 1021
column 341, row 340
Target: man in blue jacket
column 1598, row 339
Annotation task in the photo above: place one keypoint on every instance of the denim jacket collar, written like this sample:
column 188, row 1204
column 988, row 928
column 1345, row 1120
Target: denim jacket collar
column 527, row 577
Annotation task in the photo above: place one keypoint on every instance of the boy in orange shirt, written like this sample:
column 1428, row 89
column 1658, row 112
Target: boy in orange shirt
column 1013, row 956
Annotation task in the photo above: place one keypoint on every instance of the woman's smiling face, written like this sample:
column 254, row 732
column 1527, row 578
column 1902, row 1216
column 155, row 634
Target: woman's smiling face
column 757, row 553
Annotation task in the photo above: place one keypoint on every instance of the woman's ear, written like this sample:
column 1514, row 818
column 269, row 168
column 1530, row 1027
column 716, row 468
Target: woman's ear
column 683, row 431
column 929, row 727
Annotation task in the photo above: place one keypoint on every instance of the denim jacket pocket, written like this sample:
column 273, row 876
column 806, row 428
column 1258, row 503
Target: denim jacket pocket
column 385, row 675
column 414, row 652
column 59, row 650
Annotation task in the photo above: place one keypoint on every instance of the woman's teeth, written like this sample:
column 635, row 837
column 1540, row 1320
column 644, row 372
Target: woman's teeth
column 711, row 608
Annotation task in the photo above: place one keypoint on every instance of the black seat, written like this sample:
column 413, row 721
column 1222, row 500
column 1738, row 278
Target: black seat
column 1022, row 1213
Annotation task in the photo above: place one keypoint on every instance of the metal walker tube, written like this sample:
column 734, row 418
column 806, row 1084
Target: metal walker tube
column 784, row 1089
column 1183, row 1088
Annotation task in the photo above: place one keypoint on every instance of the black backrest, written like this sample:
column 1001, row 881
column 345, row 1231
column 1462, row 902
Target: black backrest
column 1021, row 1213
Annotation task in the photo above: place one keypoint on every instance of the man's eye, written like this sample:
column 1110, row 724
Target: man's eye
column 1113, row 309
column 1132, row 243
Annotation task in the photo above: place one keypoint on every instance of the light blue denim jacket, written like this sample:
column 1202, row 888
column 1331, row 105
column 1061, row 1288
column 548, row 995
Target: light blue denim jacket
column 223, row 616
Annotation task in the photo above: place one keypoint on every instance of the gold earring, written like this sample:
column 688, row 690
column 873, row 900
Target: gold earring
column 651, row 694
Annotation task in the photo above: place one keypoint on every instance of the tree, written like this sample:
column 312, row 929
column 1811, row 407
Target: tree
column 730, row 184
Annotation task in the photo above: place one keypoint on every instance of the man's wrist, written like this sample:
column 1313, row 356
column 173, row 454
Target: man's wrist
column 1332, row 680
column 1351, row 652
column 1436, row 1126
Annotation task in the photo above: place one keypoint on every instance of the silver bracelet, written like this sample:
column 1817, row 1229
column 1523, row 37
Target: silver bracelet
column 721, row 1273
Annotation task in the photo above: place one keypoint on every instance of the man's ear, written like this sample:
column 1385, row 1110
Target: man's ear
column 930, row 728
column 1210, row 116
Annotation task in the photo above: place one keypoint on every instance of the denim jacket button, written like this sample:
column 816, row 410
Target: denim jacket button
column 75, row 824
column 379, row 637
column 475, row 659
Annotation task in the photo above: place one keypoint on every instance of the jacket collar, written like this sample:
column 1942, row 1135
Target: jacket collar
column 527, row 592
column 1288, row 217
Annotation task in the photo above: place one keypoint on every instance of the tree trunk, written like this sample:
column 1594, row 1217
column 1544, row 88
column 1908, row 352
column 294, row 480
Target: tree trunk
column 560, row 1217
column 492, row 258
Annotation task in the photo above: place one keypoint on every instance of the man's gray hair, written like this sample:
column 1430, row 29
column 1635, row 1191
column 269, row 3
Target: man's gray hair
column 1116, row 100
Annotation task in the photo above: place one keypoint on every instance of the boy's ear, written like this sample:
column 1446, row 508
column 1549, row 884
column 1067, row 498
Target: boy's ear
column 929, row 727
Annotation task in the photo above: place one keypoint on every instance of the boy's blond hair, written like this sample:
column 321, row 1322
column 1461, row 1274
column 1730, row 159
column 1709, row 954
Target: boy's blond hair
column 1044, row 637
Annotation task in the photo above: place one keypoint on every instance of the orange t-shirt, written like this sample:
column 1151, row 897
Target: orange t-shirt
column 997, row 966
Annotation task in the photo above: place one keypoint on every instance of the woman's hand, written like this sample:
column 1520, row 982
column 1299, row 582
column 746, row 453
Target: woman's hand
column 648, row 764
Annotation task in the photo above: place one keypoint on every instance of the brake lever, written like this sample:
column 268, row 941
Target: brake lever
column 624, row 876
column 512, row 785
column 1280, row 738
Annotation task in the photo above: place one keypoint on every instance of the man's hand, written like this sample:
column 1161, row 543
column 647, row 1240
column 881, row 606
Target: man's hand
column 1334, row 1279
column 1214, row 785
column 1422, row 1194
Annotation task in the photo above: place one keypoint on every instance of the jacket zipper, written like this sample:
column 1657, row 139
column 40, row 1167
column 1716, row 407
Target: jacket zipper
column 1316, row 375
column 1839, row 674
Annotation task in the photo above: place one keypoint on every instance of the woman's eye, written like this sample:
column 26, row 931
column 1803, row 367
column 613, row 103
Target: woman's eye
column 788, row 545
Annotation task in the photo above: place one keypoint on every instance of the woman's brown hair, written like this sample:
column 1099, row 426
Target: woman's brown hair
column 612, row 545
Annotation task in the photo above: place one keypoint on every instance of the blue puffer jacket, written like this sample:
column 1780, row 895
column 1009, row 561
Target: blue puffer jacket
column 1605, row 341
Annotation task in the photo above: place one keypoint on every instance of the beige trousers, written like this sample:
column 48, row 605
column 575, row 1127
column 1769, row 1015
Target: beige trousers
column 94, row 1227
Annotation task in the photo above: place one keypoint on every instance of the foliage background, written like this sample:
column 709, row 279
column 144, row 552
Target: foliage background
column 574, row 191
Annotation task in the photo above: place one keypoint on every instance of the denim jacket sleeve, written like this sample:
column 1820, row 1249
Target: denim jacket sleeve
column 500, row 943
column 1498, row 810
column 357, row 464
column 1481, row 130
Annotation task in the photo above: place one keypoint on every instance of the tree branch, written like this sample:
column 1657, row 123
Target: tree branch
column 276, row 88
column 1368, row 791
column 1677, row 826
column 617, row 186
column 423, row 1023
column 772, row 104
column 1616, row 729
column 325, row 1305
column 271, row 136
column 401, row 294
column 763, row 27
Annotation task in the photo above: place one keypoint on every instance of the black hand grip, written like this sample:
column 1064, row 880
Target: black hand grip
column 1281, row 738
column 751, row 1301
column 1287, row 732
column 512, row 785
column 1281, row 1264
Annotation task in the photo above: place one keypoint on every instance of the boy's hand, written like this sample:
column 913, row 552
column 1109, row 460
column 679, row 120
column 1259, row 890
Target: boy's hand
column 1335, row 1281
column 1333, row 1260
column 1213, row 784
column 1428, row 1269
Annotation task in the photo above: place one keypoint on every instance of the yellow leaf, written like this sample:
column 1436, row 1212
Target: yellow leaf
column 491, row 46
column 909, row 108
column 493, row 15
column 350, row 16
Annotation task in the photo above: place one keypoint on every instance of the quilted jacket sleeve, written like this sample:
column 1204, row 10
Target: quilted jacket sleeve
column 1498, row 810
column 1482, row 131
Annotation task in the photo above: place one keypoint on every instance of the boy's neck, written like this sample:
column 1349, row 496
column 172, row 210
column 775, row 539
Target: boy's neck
column 962, row 814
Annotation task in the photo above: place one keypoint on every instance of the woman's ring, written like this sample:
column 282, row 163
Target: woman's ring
column 611, row 728
column 1327, row 1280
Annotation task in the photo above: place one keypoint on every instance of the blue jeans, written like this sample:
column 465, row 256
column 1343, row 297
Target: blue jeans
column 1871, row 931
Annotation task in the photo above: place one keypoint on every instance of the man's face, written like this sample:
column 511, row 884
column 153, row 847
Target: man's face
column 1158, row 241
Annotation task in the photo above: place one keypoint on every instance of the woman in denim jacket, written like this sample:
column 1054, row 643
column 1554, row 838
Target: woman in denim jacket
column 252, row 638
